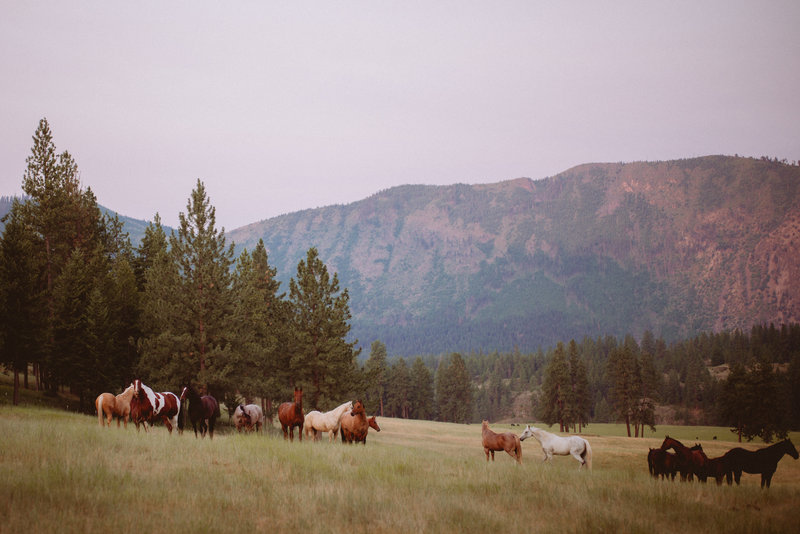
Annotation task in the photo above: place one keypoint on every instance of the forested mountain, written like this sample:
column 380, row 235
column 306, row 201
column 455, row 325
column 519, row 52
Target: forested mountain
column 676, row 248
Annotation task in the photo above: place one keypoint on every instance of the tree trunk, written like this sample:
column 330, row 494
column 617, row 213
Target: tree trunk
column 628, row 424
column 16, row 387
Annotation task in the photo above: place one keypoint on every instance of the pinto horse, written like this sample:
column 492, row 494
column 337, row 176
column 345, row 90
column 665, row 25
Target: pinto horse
column 203, row 410
column 763, row 461
column 551, row 444
column 290, row 414
column 118, row 406
column 317, row 422
column 355, row 424
column 151, row 406
column 249, row 417
column 507, row 441
column 691, row 461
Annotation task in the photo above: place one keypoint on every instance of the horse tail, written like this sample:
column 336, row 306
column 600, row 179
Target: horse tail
column 587, row 454
column 518, row 443
column 181, row 417
column 217, row 413
column 98, row 403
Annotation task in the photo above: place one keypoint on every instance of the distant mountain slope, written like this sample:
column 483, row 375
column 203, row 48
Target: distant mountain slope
column 673, row 247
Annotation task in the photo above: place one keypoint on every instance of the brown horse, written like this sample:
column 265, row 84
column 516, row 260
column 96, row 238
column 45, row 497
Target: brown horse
column 662, row 463
column 690, row 461
column 290, row 414
column 507, row 441
column 118, row 406
column 355, row 425
column 762, row 461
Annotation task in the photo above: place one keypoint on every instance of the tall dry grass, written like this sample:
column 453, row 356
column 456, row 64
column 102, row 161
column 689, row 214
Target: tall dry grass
column 63, row 473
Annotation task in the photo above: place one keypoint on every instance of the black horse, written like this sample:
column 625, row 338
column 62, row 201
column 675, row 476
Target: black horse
column 762, row 461
column 203, row 410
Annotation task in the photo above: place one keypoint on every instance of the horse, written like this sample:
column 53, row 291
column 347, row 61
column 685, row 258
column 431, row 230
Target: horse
column 118, row 406
column 507, row 441
column 691, row 461
column 551, row 444
column 662, row 463
column 763, row 461
column 355, row 424
column 152, row 405
column 318, row 422
column 717, row 468
column 203, row 410
column 248, row 416
column 290, row 414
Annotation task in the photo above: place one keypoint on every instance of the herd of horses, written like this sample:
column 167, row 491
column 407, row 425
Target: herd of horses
column 692, row 462
column 143, row 406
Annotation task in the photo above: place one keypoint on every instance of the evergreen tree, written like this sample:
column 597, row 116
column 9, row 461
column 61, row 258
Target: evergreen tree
column 376, row 377
column 421, row 395
column 319, row 319
column 399, row 389
column 555, row 390
column 453, row 390
column 189, row 304
column 580, row 397
column 624, row 378
column 20, row 302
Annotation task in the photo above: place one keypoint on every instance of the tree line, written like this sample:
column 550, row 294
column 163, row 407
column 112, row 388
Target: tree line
column 87, row 311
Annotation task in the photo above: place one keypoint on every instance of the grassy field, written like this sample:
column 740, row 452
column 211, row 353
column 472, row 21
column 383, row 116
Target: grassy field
column 61, row 472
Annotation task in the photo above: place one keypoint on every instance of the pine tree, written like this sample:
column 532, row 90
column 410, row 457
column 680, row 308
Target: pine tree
column 422, row 394
column 375, row 370
column 189, row 304
column 398, row 390
column 453, row 390
column 556, row 388
column 319, row 319
column 624, row 378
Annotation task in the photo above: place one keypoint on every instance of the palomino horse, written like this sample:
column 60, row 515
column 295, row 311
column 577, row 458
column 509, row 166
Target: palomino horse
column 355, row 425
column 551, row 444
column 249, row 417
column 762, row 461
column 203, row 410
column 318, row 422
column 118, row 406
column 506, row 441
column 152, row 405
column 691, row 461
column 290, row 414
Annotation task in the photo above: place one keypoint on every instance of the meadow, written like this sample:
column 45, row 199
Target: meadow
column 61, row 472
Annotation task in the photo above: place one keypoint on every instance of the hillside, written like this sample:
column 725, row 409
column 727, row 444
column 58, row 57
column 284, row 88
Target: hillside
column 672, row 247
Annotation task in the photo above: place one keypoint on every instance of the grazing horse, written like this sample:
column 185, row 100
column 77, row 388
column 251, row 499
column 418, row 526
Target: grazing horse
column 318, row 422
column 355, row 425
column 203, row 410
column 249, row 417
column 551, row 444
column 691, row 461
column 118, row 406
column 152, row 405
column 290, row 414
column 763, row 461
column 507, row 441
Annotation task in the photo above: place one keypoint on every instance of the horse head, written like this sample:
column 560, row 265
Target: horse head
column 528, row 432
column 183, row 393
column 245, row 417
column 358, row 407
column 374, row 423
column 790, row 448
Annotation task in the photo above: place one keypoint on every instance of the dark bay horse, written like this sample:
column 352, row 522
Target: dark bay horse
column 507, row 441
column 762, row 461
column 150, row 406
column 662, row 463
column 690, row 461
column 202, row 410
column 290, row 414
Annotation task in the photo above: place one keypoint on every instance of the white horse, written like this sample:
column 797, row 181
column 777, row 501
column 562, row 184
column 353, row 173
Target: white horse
column 250, row 417
column 578, row 447
column 329, row 422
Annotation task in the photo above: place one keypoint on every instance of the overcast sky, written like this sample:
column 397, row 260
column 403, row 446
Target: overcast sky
column 282, row 106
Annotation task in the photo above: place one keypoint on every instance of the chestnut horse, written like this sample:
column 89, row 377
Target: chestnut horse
column 354, row 425
column 290, row 414
column 203, row 410
column 118, row 406
column 152, row 405
column 507, row 441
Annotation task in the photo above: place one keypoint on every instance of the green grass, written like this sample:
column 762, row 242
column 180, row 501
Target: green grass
column 63, row 473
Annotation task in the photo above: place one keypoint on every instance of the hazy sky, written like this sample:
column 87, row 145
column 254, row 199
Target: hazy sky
column 282, row 106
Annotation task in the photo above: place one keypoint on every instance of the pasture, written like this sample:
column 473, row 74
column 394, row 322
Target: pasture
column 63, row 473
